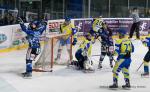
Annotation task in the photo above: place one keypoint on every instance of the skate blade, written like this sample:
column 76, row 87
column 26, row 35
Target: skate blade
column 87, row 71
column 27, row 77
column 99, row 68
column 127, row 88
column 118, row 88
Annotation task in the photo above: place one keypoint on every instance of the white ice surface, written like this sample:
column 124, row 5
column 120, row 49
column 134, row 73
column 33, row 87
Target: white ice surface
column 69, row 80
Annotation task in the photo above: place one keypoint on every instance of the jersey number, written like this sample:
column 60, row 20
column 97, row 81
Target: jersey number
column 127, row 47
column 99, row 23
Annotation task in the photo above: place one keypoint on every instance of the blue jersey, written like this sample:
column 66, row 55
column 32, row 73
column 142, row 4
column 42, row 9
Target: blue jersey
column 99, row 28
column 105, row 37
column 147, row 41
column 33, row 36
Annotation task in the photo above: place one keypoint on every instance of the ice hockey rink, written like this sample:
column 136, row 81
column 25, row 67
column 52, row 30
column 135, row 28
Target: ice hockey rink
column 62, row 79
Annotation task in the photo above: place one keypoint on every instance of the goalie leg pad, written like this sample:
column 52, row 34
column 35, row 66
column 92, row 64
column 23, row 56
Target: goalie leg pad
column 88, row 66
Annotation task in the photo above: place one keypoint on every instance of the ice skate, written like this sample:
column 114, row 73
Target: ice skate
column 146, row 74
column 115, row 85
column 127, row 85
column 100, row 66
column 27, row 75
column 111, row 65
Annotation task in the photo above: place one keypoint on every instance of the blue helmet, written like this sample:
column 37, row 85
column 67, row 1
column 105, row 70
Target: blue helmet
column 67, row 19
column 122, row 31
column 33, row 23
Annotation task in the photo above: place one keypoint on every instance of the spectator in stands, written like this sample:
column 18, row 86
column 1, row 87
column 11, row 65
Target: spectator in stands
column 6, row 19
column 1, row 20
column 147, row 13
column 11, row 19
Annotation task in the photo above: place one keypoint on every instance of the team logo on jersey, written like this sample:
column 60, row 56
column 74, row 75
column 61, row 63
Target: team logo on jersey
column 3, row 38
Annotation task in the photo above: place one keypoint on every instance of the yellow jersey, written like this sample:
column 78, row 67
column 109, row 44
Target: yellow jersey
column 86, row 45
column 67, row 29
column 97, row 24
column 123, row 46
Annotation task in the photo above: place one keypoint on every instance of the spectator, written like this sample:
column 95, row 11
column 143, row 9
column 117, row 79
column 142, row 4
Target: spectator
column 1, row 20
column 147, row 14
column 5, row 19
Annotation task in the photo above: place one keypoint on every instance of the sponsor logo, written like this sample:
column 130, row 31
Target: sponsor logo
column 3, row 38
column 54, row 25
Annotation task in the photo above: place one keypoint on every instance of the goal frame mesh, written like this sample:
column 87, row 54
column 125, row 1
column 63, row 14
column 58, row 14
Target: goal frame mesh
column 52, row 37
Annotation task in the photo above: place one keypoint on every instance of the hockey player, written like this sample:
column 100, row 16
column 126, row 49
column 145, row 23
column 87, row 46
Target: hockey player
column 68, row 29
column 83, row 54
column 33, row 36
column 123, row 48
column 99, row 28
column 146, row 60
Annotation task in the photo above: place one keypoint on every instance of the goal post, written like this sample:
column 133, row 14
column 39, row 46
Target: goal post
column 46, row 60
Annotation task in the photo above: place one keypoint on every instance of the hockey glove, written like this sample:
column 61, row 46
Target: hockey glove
column 20, row 20
column 74, row 41
column 115, row 53
column 111, row 49
column 74, row 31
column 44, row 22
column 144, row 42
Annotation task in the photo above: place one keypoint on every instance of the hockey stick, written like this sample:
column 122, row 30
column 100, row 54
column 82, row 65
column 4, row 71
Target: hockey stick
column 99, row 55
column 140, row 66
column 95, row 55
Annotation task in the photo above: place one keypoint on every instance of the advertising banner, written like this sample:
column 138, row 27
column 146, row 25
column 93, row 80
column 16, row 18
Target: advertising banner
column 5, row 36
column 114, row 24
column 12, row 35
column 18, row 36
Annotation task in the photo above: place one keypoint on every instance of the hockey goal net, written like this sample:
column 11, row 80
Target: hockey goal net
column 46, row 60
